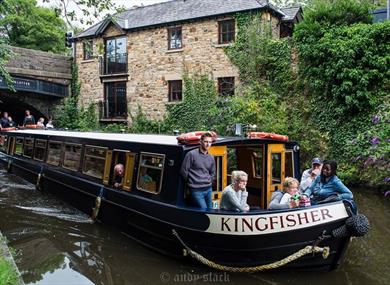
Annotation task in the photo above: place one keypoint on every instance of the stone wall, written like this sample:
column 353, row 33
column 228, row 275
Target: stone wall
column 151, row 65
column 40, row 65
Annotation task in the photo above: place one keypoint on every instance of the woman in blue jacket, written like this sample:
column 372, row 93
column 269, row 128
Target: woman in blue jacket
column 327, row 186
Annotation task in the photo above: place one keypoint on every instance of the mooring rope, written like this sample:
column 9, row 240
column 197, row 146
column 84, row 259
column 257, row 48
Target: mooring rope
column 302, row 252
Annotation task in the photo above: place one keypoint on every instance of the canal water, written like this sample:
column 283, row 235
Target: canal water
column 58, row 245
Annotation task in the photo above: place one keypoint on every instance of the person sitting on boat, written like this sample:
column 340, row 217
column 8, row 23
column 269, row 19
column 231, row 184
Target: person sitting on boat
column 11, row 122
column 288, row 197
column 4, row 121
column 328, row 187
column 119, row 171
column 309, row 175
column 41, row 123
column 49, row 124
column 28, row 119
column 234, row 196
column 198, row 170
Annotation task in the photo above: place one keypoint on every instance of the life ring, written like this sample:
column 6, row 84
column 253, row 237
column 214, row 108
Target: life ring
column 194, row 137
column 263, row 135
column 8, row 129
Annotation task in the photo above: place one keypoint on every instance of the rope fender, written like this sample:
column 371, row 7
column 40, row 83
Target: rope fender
column 98, row 202
column 302, row 252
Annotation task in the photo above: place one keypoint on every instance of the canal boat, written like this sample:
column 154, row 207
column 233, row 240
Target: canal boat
column 79, row 167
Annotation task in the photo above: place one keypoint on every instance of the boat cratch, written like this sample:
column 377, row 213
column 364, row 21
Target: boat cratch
column 151, row 206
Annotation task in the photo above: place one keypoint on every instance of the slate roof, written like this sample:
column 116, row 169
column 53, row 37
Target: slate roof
column 176, row 11
column 290, row 13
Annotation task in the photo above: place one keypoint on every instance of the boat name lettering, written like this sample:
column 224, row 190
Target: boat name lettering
column 263, row 223
column 275, row 222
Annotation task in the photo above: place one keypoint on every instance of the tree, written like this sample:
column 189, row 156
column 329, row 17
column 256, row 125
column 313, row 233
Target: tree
column 26, row 25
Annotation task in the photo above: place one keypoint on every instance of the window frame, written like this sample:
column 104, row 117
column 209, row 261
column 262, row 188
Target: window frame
column 38, row 147
column 231, row 34
column 16, row 146
column 174, row 92
column 88, row 50
column 223, row 91
column 96, row 157
column 107, row 88
column 172, row 30
column 31, row 145
column 65, row 144
column 158, row 187
column 48, row 152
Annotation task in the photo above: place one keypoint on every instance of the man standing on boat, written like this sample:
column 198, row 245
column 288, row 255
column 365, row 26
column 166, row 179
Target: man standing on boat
column 198, row 170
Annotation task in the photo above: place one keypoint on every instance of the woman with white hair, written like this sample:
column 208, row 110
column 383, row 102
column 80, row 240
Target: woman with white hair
column 235, row 195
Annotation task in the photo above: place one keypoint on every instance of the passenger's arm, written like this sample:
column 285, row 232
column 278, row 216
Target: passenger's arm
column 185, row 167
column 235, row 201
column 345, row 193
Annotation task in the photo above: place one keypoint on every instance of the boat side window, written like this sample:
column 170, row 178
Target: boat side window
column 276, row 168
column 72, row 154
column 54, row 153
column 3, row 143
column 94, row 161
column 19, row 146
column 150, row 172
column 28, row 148
column 40, row 150
column 232, row 163
column 217, row 182
column 289, row 164
column 257, row 156
column 11, row 145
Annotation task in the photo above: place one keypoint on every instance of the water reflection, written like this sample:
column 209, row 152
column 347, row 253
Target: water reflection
column 57, row 244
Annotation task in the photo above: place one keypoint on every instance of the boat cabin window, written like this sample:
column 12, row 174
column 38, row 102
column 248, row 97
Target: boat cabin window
column 94, row 161
column 150, row 172
column 276, row 168
column 3, row 143
column 232, row 163
column 19, row 145
column 28, row 149
column 217, row 182
column 54, row 153
column 257, row 158
column 72, row 154
column 40, row 150
column 11, row 145
column 289, row 164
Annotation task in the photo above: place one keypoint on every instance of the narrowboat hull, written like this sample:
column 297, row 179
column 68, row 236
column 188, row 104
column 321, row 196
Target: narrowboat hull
column 237, row 240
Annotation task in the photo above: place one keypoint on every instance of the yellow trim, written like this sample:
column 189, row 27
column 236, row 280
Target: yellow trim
column 220, row 151
column 107, row 167
column 274, row 148
column 129, row 168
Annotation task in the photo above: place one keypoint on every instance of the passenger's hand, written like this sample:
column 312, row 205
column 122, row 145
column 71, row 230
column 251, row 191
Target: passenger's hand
column 294, row 203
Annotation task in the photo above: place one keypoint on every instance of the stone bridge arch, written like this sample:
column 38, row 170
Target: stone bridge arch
column 41, row 81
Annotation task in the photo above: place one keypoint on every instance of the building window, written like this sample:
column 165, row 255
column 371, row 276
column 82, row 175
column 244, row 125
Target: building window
column 87, row 50
column 174, row 38
column 115, row 103
column 226, row 86
column 175, row 90
column 226, row 31
column 116, row 56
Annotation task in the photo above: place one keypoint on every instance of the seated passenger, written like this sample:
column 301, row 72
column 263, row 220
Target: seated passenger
column 328, row 187
column 286, row 199
column 41, row 123
column 235, row 195
column 119, row 171
column 4, row 121
column 309, row 175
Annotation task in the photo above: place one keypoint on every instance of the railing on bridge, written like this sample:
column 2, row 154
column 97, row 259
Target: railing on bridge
column 37, row 86
column 116, row 64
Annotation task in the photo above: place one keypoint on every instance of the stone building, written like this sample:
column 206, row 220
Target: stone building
column 139, row 57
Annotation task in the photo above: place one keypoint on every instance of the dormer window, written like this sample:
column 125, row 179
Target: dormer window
column 174, row 38
column 226, row 31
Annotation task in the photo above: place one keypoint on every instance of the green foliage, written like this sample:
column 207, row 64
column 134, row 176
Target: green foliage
column 29, row 26
column 142, row 124
column 198, row 108
column 8, row 274
column 5, row 55
column 345, row 70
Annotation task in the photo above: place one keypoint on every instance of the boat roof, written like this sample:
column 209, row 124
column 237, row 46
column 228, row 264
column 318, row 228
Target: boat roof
column 126, row 137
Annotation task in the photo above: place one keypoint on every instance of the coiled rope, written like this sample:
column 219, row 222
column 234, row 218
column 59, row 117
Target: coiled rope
column 304, row 251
